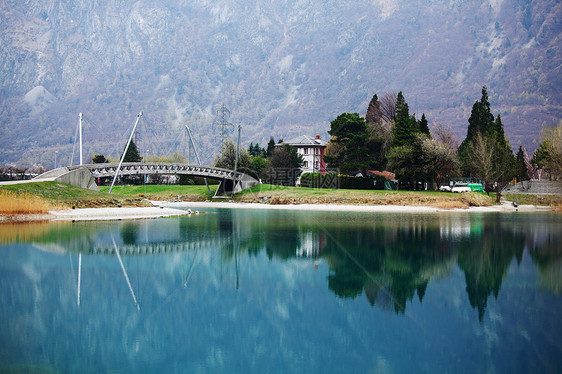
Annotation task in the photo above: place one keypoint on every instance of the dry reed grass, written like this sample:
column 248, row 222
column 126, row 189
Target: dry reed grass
column 442, row 201
column 12, row 203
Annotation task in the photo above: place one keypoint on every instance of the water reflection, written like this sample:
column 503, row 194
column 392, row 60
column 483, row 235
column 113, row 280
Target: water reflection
column 389, row 259
column 268, row 291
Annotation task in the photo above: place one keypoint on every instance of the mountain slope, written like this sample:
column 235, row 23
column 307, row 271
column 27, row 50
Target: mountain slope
column 281, row 67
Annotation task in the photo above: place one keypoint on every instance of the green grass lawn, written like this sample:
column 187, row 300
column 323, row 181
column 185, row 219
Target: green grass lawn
column 159, row 192
column 65, row 196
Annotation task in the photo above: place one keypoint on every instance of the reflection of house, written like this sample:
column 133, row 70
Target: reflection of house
column 311, row 244
column 455, row 228
column 312, row 151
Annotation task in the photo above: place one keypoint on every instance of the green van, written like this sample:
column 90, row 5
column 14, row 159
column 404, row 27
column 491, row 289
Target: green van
column 476, row 187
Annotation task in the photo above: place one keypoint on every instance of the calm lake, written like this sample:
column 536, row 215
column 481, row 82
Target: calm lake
column 258, row 291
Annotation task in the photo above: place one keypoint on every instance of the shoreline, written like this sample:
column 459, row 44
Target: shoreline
column 504, row 207
column 98, row 214
column 162, row 209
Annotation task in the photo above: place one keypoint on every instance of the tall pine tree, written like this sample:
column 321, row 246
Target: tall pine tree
column 270, row 147
column 481, row 121
column 423, row 126
column 485, row 153
column 522, row 170
column 132, row 154
column 373, row 114
column 405, row 155
column 405, row 126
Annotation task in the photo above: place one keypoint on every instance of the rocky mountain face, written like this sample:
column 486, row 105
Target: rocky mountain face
column 281, row 67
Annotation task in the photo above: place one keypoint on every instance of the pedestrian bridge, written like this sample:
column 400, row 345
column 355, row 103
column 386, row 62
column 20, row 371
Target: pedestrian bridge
column 83, row 175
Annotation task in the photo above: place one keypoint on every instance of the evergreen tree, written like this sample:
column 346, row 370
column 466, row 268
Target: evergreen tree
column 373, row 114
column 350, row 135
column 522, row 171
column 405, row 125
column 284, row 166
column 405, row 155
column 98, row 159
column 497, row 131
column 485, row 153
column 423, row 126
column 270, row 147
column 132, row 154
column 407, row 161
column 481, row 121
column 255, row 150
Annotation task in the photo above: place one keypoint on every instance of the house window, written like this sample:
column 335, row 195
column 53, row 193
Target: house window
column 306, row 151
column 317, row 166
column 305, row 165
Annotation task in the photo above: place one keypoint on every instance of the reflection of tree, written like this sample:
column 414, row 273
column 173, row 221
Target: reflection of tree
column 547, row 255
column 282, row 242
column 396, row 262
column 485, row 260
column 130, row 232
column 244, row 237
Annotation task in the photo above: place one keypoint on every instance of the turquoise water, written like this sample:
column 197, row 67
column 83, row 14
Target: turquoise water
column 282, row 291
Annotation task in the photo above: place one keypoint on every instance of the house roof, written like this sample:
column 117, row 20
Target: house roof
column 305, row 140
column 386, row 174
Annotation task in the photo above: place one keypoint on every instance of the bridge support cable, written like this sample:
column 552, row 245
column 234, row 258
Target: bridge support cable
column 125, row 151
column 197, row 156
column 70, row 163
column 125, row 273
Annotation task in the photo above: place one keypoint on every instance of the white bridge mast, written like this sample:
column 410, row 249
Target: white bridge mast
column 80, row 136
column 125, row 151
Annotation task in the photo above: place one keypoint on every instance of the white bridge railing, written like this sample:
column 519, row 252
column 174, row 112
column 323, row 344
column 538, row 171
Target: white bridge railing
column 158, row 168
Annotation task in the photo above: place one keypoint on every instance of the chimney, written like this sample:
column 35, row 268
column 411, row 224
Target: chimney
column 317, row 136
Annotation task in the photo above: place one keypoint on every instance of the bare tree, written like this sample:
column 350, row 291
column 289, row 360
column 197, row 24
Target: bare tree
column 381, row 130
column 388, row 106
column 549, row 153
column 440, row 159
column 482, row 159
column 491, row 161
column 443, row 134
column 20, row 172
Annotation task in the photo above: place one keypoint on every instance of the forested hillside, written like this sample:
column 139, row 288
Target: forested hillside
column 281, row 68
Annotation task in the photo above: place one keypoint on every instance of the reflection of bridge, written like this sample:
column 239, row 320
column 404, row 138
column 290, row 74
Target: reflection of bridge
column 160, row 248
column 83, row 176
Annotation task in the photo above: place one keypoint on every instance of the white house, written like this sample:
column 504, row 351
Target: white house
column 312, row 151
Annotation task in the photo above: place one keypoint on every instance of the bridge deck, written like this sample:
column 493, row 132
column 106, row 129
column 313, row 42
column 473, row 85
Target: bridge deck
column 242, row 182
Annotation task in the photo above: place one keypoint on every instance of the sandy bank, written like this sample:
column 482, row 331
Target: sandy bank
column 504, row 207
column 96, row 214
column 171, row 209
